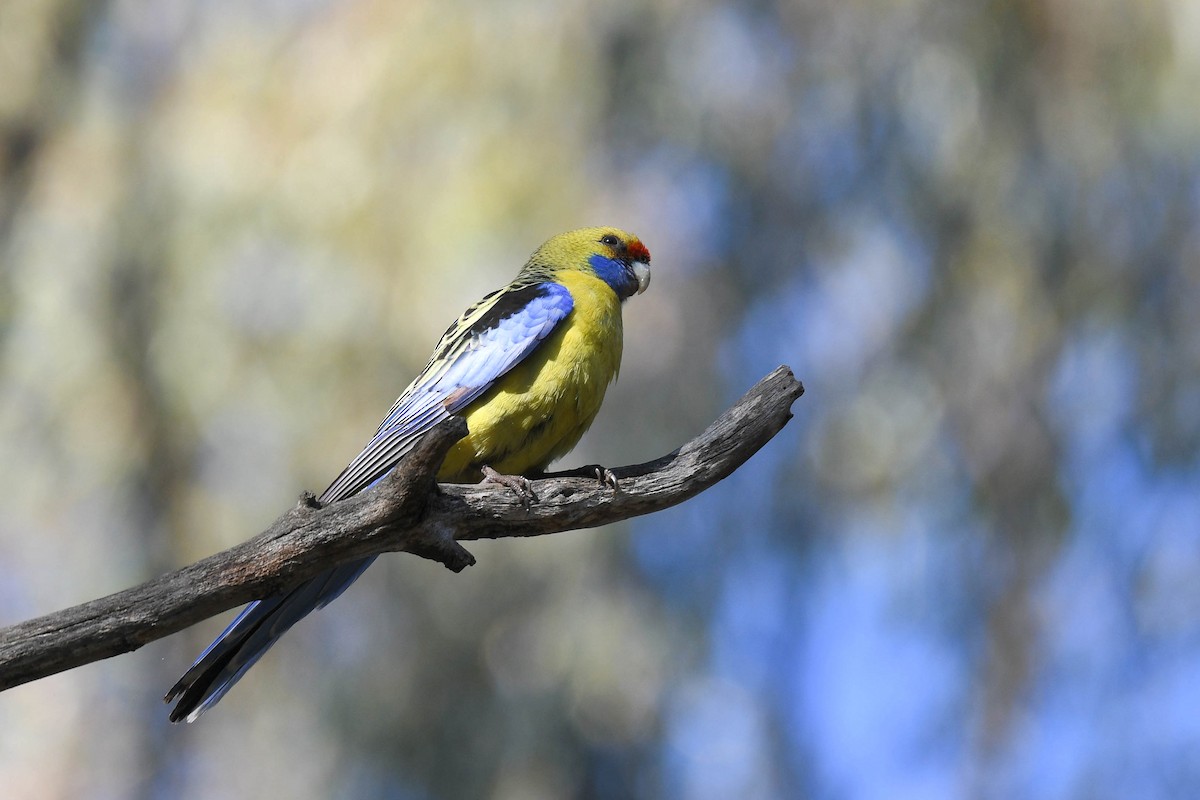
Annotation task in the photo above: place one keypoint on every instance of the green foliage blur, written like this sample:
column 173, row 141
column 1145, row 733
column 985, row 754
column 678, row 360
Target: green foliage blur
column 231, row 232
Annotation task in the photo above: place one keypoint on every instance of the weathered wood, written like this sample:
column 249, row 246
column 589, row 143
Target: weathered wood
column 406, row 512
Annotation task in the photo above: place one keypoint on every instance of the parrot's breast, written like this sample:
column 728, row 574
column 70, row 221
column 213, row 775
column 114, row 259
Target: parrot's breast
column 539, row 410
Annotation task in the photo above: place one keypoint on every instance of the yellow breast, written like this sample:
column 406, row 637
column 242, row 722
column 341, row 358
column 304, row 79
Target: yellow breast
column 540, row 409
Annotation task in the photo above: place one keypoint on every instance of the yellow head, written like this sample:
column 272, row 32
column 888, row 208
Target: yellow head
column 612, row 255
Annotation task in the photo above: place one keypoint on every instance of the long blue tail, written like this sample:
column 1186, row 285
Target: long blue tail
column 250, row 635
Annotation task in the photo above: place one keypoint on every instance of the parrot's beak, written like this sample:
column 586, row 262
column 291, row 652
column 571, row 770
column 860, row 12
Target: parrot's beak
column 641, row 271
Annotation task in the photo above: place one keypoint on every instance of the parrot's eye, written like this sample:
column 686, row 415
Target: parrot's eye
column 610, row 240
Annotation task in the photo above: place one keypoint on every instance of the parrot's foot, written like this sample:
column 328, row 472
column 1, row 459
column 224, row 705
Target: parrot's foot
column 603, row 474
column 519, row 484
column 606, row 477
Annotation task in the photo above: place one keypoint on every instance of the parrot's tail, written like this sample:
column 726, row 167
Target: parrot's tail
column 250, row 635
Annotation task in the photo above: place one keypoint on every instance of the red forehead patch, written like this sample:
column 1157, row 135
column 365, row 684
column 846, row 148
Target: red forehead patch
column 638, row 252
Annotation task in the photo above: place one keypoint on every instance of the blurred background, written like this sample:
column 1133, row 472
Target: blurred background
column 231, row 232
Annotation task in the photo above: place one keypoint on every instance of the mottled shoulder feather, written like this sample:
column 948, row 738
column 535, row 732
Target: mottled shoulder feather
column 488, row 313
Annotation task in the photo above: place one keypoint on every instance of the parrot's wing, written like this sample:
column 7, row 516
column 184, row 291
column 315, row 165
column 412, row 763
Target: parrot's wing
column 487, row 341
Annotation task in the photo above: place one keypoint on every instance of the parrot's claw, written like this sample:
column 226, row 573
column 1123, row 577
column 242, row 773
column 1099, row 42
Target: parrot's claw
column 603, row 474
column 607, row 477
column 518, row 484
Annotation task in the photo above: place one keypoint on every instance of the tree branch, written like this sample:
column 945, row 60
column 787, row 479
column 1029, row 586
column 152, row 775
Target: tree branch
column 406, row 512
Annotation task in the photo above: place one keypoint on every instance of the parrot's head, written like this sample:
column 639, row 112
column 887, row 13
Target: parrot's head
column 616, row 257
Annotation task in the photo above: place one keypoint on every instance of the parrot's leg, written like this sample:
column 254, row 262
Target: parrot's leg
column 519, row 484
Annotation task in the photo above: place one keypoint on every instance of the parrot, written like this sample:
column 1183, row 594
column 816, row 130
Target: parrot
column 527, row 367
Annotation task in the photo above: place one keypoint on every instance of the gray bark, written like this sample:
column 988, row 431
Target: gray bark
column 407, row 512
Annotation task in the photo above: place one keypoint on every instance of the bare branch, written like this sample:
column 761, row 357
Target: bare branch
column 406, row 512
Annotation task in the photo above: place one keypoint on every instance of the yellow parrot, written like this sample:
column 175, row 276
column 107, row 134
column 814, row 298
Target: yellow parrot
column 527, row 367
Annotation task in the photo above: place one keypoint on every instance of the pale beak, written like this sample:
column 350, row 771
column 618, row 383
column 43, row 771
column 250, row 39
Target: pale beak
column 641, row 271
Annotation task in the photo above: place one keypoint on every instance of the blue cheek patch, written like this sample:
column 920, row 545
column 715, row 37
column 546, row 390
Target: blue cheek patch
column 614, row 274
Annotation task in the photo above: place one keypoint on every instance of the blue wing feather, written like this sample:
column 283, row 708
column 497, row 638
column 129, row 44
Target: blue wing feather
column 486, row 343
column 498, row 349
column 448, row 385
